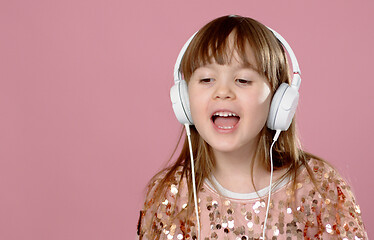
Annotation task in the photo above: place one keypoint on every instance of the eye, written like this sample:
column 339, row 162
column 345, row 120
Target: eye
column 206, row 80
column 243, row 81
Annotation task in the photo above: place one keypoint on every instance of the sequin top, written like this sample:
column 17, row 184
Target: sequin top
column 331, row 213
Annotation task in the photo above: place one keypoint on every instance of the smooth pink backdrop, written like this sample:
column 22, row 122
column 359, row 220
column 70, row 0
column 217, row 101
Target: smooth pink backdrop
column 85, row 117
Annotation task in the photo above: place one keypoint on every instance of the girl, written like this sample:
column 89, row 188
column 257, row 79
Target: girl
column 232, row 67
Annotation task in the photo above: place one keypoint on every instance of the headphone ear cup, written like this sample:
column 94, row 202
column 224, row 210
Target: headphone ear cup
column 180, row 102
column 283, row 107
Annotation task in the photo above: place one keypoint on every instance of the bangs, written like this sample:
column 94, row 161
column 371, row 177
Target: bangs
column 218, row 44
column 219, row 47
column 220, row 39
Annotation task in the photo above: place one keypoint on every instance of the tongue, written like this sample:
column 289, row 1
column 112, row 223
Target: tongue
column 226, row 121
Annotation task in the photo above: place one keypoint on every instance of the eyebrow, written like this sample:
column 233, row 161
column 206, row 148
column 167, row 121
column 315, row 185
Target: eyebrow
column 242, row 65
column 248, row 65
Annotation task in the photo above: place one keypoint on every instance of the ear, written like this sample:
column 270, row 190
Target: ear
column 283, row 107
column 180, row 102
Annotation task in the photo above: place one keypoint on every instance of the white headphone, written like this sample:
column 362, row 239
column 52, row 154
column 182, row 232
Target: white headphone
column 283, row 105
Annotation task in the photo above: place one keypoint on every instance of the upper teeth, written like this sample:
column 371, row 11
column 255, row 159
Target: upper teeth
column 225, row 114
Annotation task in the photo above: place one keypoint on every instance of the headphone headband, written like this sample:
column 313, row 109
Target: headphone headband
column 177, row 73
column 296, row 81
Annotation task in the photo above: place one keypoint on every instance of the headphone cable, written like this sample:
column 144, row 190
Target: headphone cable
column 271, row 181
column 193, row 179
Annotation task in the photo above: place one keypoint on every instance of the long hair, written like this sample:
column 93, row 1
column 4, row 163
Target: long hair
column 211, row 44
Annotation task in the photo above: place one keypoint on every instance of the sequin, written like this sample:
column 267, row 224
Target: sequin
column 257, row 204
column 230, row 224
column 248, row 216
column 173, row 189
column 214, row 235
column 209, row 206
column 243, row 211
column 239, row 230
column 257, row 220
column 328, row 228
column 289, row 192
column 212, row 225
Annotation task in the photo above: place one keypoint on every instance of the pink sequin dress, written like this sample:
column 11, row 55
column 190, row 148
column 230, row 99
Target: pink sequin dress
column 331, row 213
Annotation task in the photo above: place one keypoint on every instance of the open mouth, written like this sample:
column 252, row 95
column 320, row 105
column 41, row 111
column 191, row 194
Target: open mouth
column 225, row 120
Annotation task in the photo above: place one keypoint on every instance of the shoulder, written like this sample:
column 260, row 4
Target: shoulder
column 164, row 185
column 327, row 180
column 327, row 183
column 324, row 192
column 161, row 202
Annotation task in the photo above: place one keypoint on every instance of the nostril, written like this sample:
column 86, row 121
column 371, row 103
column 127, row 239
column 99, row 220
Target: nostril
column 223, row 96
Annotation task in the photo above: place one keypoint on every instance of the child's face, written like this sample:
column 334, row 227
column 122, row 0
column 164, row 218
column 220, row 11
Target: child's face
column 225, row 90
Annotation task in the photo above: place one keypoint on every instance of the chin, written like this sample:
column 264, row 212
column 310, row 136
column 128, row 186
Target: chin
column 223, row 147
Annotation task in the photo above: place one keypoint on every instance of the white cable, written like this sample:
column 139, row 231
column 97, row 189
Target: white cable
column 193, row 179
column 271, row 181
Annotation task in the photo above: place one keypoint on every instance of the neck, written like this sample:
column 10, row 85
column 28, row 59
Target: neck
column 233, row 163
column 233, row 170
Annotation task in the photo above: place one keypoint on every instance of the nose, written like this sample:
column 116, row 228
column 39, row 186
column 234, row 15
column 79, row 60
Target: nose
column 223, row 91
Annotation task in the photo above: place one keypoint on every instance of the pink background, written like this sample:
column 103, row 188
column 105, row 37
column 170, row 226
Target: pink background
column 85, row 115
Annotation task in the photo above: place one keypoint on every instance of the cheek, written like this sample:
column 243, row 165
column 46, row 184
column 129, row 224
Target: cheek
column 192, row 97
column 264, row 94
column 196, row 99
column 260, row 98
column 260, row 104
column 264, row 99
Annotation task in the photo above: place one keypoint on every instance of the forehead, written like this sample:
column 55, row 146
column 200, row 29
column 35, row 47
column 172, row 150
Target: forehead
column 234, row 65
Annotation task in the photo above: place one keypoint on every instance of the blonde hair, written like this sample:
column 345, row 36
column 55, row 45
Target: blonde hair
column 211, row 43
